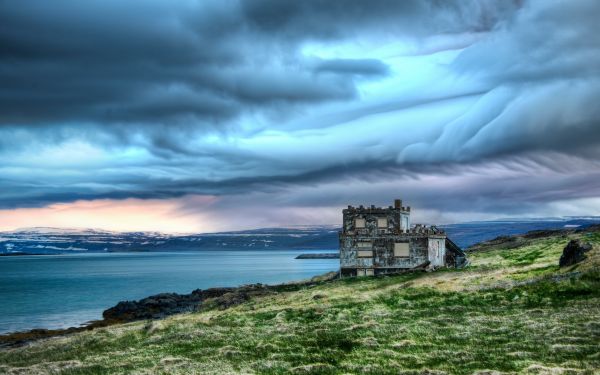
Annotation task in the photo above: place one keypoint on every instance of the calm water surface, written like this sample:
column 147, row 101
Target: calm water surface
column 68, row 290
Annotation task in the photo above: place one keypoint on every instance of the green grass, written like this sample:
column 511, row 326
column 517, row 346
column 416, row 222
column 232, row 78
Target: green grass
column 512, row 311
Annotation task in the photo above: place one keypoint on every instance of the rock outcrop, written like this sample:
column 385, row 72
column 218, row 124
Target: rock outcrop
column 164, row 304
column 574, row 253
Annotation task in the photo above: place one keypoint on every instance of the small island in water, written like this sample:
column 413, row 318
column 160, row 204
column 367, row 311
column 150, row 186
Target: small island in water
column 319, row 256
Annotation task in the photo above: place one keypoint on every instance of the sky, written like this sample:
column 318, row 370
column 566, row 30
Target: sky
column 200, row 116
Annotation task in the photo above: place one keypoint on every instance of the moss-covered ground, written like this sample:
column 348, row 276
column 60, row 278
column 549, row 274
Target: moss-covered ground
column 511, row 311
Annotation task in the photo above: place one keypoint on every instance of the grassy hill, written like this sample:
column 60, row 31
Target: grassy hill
column 512, row 311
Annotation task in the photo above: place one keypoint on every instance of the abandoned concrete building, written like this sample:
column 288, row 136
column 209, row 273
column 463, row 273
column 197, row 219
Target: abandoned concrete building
column 379, row 240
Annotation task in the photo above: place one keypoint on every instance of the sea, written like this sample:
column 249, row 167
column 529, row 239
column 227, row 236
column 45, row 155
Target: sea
column 68, row 290
column 61, row 291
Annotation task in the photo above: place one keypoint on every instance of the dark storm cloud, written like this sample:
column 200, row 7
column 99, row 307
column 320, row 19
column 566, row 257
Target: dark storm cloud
column 517, row 186
column 107, row 62
column 342, row 19
column 276, row 97
column 194, row 62
column 368, row 67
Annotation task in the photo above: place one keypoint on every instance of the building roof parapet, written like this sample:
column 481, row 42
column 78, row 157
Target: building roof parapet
column 424, row 229
column 393, row 235
column 374, row 210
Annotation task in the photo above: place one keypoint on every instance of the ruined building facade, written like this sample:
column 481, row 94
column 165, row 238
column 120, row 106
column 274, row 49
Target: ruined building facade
column 379, row 240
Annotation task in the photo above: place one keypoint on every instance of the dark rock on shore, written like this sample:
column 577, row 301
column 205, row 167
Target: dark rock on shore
column 574, row 253
column 22, row 338
column 164, row 304
column 155, row 306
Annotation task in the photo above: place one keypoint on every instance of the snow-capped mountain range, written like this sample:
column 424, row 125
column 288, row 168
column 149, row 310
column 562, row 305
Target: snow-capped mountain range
column 47, row 240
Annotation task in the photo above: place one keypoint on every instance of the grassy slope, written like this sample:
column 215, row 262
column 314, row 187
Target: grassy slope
column 512, row 311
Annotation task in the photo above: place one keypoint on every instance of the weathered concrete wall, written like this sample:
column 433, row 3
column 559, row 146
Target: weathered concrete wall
column 382, row 250
column 374, row 220
column 381, row 240
column 437, row 251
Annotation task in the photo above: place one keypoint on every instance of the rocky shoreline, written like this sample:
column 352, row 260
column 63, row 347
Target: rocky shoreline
column 165, row 304
column 161, row 305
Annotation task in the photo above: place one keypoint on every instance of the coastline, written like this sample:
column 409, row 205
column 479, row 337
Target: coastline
column 166, row 304
column 20, row 254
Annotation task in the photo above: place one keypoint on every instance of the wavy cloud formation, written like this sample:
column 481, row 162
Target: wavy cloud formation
column 466, row 109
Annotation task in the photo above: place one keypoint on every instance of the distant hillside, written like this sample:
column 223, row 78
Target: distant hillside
column 57, row 241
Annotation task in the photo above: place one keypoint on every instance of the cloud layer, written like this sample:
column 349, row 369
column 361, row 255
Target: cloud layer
column 474, row 108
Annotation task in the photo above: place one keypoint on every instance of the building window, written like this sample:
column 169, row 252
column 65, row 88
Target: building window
column 401, row 249
column 382, row 222
column 365, row 249
column 404, row 224
column 359, row 223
